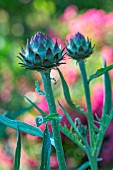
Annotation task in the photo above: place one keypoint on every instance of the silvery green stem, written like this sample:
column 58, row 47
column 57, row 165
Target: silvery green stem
column 88, row 102
column 93, row 162
column 52, row 109
column 91, row 155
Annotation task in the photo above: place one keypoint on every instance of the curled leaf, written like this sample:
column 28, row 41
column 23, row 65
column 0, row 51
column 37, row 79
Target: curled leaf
column 37, row 89
column 39, row 120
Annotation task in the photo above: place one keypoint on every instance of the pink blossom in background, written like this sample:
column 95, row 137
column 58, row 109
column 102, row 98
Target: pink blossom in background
column 5, row 95
column 108, row 27
column 5, row 160
column 69, row 13
column 107, row 52
column 32, row 162
column 7, row 87
column 85, row 23
column 53, row 161
column 97, row 97
column 43, row 105
column 93, row 23
column 107, row 149
column 22, row 84
column 70, row 74
column 30, row 119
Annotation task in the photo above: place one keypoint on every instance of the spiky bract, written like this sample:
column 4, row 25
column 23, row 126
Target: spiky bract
column 41, row 53
column 79, row 48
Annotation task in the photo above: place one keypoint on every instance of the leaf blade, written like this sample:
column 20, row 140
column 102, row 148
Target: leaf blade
column 67, row 95
column 107, row 92
column 23, row 127
column 46, row 150
column 18, row 151
column 12, row 116
column 100, row 72
column 34, row 105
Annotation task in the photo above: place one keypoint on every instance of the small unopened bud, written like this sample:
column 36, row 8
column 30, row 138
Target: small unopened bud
column 79, row 48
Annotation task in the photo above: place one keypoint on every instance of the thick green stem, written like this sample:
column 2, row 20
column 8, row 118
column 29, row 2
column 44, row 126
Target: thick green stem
column 91, row 154
column 93, row 162
column 52, row 108
column 88, row 102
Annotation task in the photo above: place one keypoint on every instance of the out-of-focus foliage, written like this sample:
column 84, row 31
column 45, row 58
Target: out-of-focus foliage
column 83, row 5
column 20, row 20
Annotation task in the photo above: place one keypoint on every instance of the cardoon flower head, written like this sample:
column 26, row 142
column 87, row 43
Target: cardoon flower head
column 41, row 53
column 79, row 48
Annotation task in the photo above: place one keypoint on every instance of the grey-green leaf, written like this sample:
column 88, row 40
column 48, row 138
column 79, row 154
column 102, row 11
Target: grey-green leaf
column 34, row 105
column 100, row 72
column 107, row 92
column 12, row 116
column 18, row 151
column 46, row 150
column 23, row 127
column 67, row 95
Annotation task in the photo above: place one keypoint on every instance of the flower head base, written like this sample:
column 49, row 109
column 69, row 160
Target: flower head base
column 79, row 48
column 41, row 53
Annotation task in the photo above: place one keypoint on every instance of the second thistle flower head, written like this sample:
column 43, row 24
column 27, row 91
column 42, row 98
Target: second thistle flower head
column 41, row 53
column 79, row 48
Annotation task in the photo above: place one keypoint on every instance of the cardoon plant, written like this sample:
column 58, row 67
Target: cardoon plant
column 42, row 55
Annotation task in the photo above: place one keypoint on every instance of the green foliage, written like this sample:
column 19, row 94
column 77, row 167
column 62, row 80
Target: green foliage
column 78, row 136
column 46, row 149
column 82, row 5
column 34, row 105
column 107, row 92
column 18, row 151
column 100, row 72
column 67, row 95
column 13, row 116
column 23, row 127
